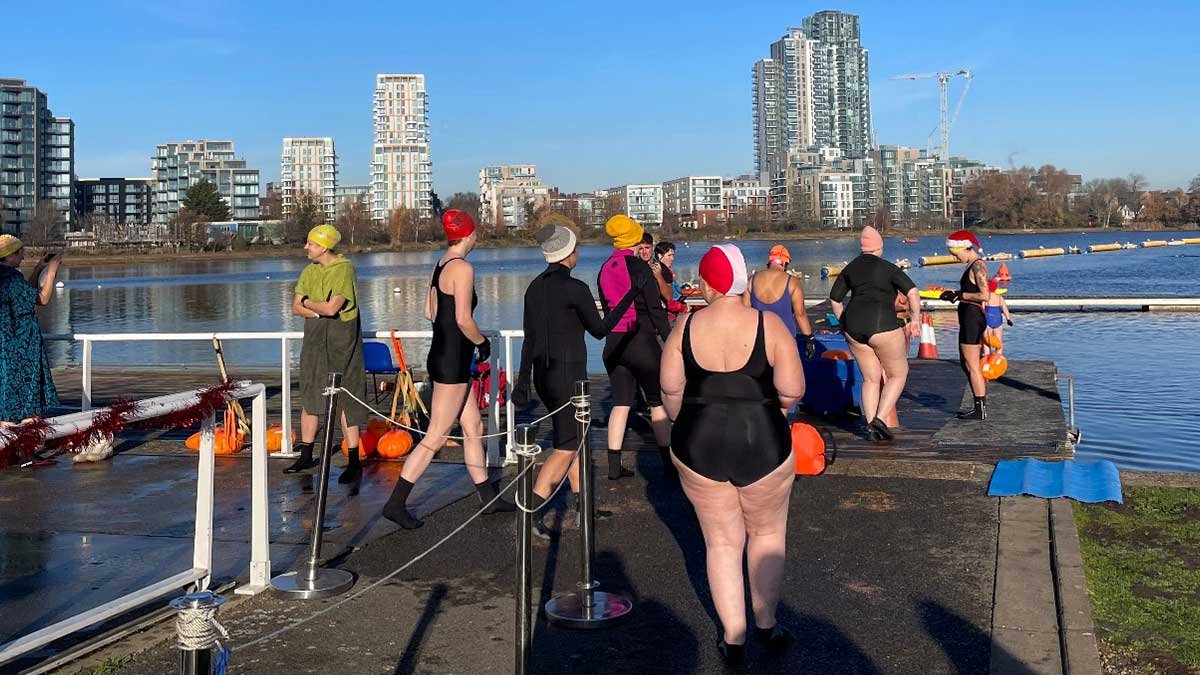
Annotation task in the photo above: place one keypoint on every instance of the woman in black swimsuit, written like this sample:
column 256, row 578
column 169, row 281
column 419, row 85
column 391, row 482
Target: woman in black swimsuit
column 728, row 374
column 971, row 297
column 450, row 305
column 873, row 332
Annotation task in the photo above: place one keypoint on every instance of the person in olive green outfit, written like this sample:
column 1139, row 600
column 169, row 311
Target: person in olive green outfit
column 327, row 299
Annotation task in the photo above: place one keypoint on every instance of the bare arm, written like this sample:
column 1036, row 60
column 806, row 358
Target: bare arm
column 664, row 289
column 837, row 308
column 979, row 277
column 462, row 280
column 914, row 311
column 671, row 377
column 330, row 307
column 1004, row 308
column 785, row 360
column 46, row 290
column 799, row 310
column 300, row 310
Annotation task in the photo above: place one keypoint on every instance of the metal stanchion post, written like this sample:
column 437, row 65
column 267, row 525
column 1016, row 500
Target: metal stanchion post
column 194, row 632
column 313, row 581
column 526, row 449
column 587, row 607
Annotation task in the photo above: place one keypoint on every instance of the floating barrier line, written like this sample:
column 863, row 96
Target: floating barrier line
column 393, row 574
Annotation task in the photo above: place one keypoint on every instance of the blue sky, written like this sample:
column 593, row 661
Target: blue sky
column 599, row 94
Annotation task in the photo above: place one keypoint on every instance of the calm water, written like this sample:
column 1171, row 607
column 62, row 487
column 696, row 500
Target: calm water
column 1133, row 371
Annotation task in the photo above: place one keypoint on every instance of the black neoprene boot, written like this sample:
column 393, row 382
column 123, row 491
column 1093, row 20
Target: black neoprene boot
column 353, row 471
column 878, row 432
column 979, row 412
column 539, row 524
column 597, row 512
column 615, row 470
column 305, row 461
column 396, row 510
column 487, row 492
column 776, row 638
column 734, row 656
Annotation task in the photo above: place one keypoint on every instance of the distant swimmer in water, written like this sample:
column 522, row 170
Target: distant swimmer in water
column 788, row 293
column 972, row 296
column 874, row 334
column 558, row 310
column 450, row 304
column 728, row 374
column 632, row 351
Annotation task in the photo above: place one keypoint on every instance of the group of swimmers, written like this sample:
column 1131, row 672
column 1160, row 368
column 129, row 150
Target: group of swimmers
column 718, row 383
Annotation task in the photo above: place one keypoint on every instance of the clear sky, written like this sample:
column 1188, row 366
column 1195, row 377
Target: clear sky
column 603, row 93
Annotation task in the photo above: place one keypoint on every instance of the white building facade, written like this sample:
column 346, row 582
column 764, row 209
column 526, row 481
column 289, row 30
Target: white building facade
column 504, row 192
column 643, row 202
column 401, row 170
column 309, row 165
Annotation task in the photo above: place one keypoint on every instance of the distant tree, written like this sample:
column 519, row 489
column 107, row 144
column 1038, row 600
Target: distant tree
column 613, row 205
column 189, row 228
column 1136, row 183
column 1152, row 207
column 356, row 225
column 238, row 243
column 205, row 202
column 529, row 210
column 670, row 223
column 404, row 224
column 46, row 226
column 548, row 217
column 881, row 219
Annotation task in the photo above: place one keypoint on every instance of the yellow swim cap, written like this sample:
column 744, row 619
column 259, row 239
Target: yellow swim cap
column 325, row 235
column 625, row 231
column 9, row 245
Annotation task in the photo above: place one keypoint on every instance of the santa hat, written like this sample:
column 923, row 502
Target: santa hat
column 457, row 224
column 962, row 239
column 724, row 269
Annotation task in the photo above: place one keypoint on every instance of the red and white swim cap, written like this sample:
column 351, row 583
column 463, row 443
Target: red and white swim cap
column 724, row 269
column 962, row 239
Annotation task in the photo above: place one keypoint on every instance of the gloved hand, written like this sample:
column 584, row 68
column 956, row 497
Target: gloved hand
column 810, row 347
column 950, row 296
column 483, row 350
column 1008, row 321
column 520, row 394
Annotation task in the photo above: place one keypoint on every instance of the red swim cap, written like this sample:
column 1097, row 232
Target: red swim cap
column 457, row 224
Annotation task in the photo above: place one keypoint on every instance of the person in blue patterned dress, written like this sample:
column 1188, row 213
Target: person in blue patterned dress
column 26, row 385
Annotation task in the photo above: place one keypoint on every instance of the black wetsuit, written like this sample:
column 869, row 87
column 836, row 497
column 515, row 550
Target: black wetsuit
column 972, row 322
column 632, row 358
column 450, row 354
column 558, row 309
column 730, row 427
column 872, row 283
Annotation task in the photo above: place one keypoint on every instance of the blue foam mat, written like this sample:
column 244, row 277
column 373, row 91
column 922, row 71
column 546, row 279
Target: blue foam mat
column 1084, row 481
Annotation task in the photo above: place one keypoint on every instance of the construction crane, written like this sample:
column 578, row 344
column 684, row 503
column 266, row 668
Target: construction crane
column 946, row 120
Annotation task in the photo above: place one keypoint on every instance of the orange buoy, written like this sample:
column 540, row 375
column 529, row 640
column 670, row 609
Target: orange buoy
column 992, row 340
column 275, row 438
column 808, row 447
column 993, row 366
column 1002, row 274
column 836, row 355
column 394, row 444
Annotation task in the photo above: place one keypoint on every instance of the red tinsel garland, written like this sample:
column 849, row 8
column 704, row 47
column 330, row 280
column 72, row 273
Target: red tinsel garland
column 27, row 438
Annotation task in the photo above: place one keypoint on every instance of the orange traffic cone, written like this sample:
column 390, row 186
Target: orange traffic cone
column 928, row 347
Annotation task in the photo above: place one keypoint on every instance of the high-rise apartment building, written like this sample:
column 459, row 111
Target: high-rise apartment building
column 812, row 92
column 37, row 158
column 125, row 201
column 178, row 165
column 504, row 192
column 309, row 165
column 401, row 171
column 841, row 87
column 352, row 194
column 745, row 197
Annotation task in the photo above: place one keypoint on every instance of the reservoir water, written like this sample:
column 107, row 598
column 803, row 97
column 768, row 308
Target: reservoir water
column 1134, row 372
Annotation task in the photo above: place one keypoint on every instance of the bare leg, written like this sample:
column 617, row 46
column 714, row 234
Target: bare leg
column 309, row 424
column 349, row 432
column 617, row 419
column 720, row 514
column 872, row 373
column 891, row 350
column 552, row 471
column 970, row 355
column 765, row 512
column 472, row 425
column 445, row 407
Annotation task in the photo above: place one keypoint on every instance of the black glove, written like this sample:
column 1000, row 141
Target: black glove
column 950, row 296
column 810, row 347
column 1008, row 321
column 520, row 394
column 483, row 350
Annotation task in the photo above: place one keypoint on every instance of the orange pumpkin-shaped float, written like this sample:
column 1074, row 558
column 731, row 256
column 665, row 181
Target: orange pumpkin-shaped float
column 227, row 439
column 808, row 448
column 275, row 438
column 395, row 444
column 836, row 355
column 993, row 366
column 367, row 442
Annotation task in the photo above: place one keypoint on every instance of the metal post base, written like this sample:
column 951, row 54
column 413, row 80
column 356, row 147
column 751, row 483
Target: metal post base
column 569, row 611
column 329, row 582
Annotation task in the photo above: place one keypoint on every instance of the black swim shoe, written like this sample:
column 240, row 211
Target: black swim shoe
column 776, row 638
column 734, row 656
column 879, row 431
column 979, row 412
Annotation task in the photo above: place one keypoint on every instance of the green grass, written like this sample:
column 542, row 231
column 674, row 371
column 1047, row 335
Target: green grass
column 1142, row 561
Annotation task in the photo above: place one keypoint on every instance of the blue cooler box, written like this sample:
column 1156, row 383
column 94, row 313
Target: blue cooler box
column 831, row 387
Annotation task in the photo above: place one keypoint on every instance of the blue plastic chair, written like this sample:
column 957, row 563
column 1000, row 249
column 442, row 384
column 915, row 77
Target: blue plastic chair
column 377, row 358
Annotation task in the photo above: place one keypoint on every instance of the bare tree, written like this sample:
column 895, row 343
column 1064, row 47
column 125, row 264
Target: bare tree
column 404, row 224
column 46, row 225
column 1137, row 183
column 355, row 223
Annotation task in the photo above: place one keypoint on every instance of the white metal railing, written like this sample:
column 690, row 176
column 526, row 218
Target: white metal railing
column 284, row 338
column 200, row 573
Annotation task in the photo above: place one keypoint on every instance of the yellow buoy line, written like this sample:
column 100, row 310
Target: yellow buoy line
column 1042, row 252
